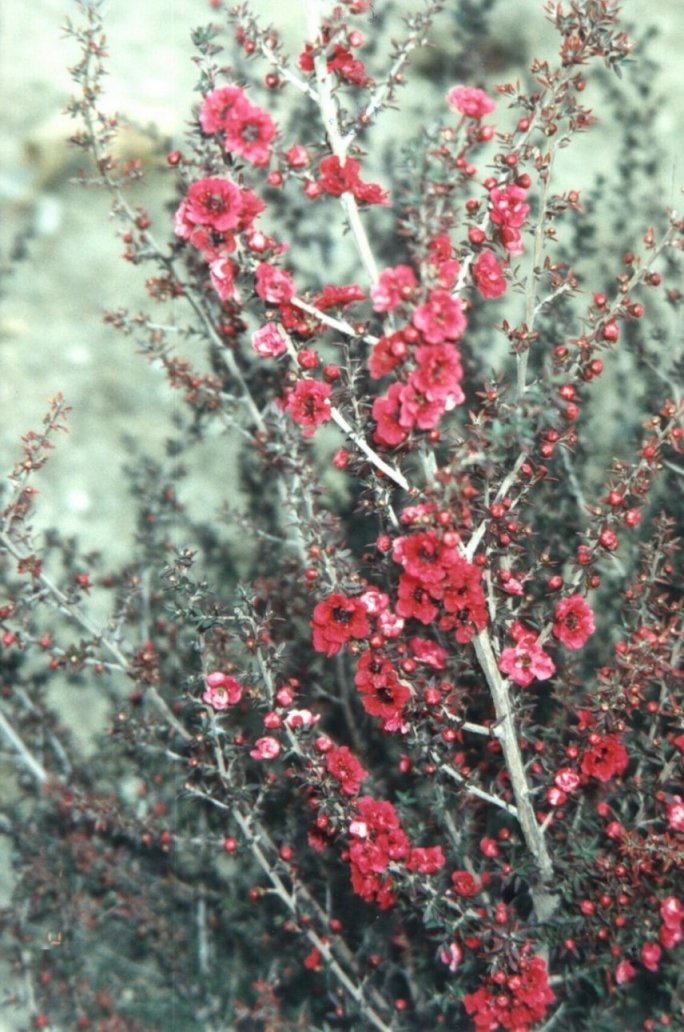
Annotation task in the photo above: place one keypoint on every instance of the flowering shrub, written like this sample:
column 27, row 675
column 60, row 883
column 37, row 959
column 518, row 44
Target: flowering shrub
column 439, row 596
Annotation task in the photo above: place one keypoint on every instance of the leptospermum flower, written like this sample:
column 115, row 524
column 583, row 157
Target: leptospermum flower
column 573, row 621
column 267, row 341
column 266, row 748
column 526, row 661
column 222, row 691
column 470, row 101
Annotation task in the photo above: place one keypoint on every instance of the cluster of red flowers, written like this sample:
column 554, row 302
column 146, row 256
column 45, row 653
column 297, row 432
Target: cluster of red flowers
column 341, row 62
column 339, row 177
column 378, row 840
column 513, row 1001
column 436, row 581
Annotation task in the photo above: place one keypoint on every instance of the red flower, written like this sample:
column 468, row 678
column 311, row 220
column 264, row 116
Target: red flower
column 414, row 600
column 573, row 621
column 336, row 620
column 309, row 404
column 464, row 884
column 344, row 766
column 489, row 276
column 425, row 859
column 605, row 758
column 388, row 430
column 343, row 177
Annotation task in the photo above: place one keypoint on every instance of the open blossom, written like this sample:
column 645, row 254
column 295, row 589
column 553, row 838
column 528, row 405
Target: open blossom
column 488, row 275
column 217, row 105
column 222, row 691
column 386, row 409
column 438, row 374
column 508, row 207
column 573, row 621
column 395, row 285
column 440, row 318
column 273, row 284
column 527, row 660
column 267, row 341
column 344, row 766
column 604, row 758
column 566, row 779
column 247, row 130
column 213, row 202
column 309, row 404
column 266, row 748
column 336, row 620
column 470, row 101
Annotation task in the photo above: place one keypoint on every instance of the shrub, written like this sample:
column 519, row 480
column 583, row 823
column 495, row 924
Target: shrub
column 394, row 741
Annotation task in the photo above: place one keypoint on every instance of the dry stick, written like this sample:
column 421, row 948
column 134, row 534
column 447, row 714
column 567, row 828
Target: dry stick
column 27, row 758
column 531, row 306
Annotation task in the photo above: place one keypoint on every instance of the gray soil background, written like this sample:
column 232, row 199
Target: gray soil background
column 52, row 338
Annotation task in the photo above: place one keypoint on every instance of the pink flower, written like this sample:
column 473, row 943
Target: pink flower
column 273, row 285
column 470, row 101
column 394, row 286
column 566, row 779
column 489, row 276
column 222, row 273
column 675, row 814
column 217, row 105
column 439, row 374
column 309, row 404
column 266, row 748
column 451, row 955
column 508, row 206
column 425, row 859
column 213, row 202
column 440, row 318
column 573, row 621
column 527, row 660
column 267, row 341
column 624, row 972
column 428, row 652
column 249, row 131
column 650, row 955
column 222, row 691
column 303, row 718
